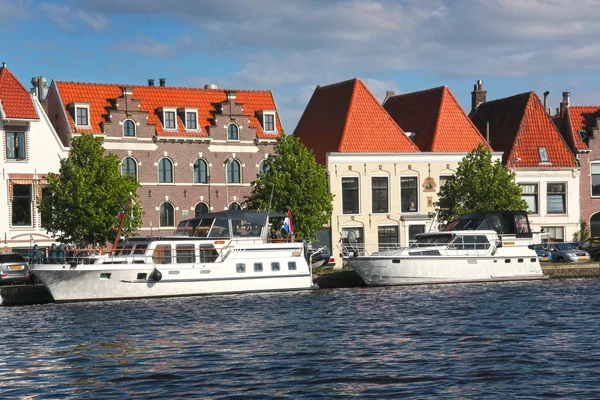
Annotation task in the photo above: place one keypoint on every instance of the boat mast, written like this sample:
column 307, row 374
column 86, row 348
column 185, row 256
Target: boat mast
column 114, row 248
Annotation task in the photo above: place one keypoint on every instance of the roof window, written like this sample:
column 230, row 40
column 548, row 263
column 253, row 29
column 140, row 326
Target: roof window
column 543, row 154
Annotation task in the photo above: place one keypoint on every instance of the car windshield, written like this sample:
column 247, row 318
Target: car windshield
column 13, row 257
column 565, row 246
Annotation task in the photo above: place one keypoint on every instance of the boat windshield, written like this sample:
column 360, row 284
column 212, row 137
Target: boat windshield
column 473, row 224
column 203, row 227
column 245, row 228
column 424, row 240
column 219, row 229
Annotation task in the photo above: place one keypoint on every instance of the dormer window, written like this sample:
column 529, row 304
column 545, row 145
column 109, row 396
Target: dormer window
column 81, row 114
column 189, row 116
column 170, row 120
column 267, row 118
column 543, row 154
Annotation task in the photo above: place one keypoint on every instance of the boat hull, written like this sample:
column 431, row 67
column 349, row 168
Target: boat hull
column 383, row 271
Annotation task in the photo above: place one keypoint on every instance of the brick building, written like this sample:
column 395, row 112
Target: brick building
column 179, row 143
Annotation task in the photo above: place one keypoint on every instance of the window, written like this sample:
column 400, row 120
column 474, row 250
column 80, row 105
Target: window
column 167, row 215
column 191, row 120
column 200, row 171
column 379, row 194
column 234, row 205
column 275, row 266
column 21, row 205
column 162, row 254
column 240, row 268
column 201, row 208
column 595, row 172
column 408, row 194
column 543, row 154
column 129, row 128
column 232, row 132
column 170, row 120
column 129, row 167
column 557, row 198
column 292, row 265
column 444, row 179
column 557, row 233
column 165, row 171
column 269, row 122
column 413, row 231
column 258, row 267
column 387, row 237
column 15, row 145
column 264, row 167
column 81, row 116
column 350, row 195
column 529, row 193
column 185, row 253
column 233, row 172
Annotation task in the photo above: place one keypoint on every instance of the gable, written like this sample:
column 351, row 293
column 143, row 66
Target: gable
column 15, row 100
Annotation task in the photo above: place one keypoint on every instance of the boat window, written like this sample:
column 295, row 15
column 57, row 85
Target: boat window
column 432, row 239
column 292, row 265
column 274, row 266
column 124, row 249
column 471, row 242
column 208, row 253
column 140, row 248
column 240, row 268
column 220, row 229
column 258, row 267
column 162, row 254
column 182, row 228
column 243, row 228
column 185, row 253
column 203, row 227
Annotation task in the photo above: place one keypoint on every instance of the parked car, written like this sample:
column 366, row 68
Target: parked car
column 567, row 252
column 13, row 268
column 544, row 256
column 592, row 246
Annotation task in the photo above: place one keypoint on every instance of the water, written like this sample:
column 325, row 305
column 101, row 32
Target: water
column 498, row 341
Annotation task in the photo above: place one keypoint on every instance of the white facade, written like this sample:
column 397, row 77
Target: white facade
column 43, row 152
column 542, row 189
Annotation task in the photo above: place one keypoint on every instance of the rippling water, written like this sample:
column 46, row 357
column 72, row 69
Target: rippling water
column 501, row 340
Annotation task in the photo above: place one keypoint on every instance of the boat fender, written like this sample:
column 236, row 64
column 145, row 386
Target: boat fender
column 156, row 275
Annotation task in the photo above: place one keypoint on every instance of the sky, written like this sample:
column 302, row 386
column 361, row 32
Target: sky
column 291, row 46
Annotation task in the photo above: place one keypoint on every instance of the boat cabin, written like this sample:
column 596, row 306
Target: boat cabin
column 503, row 222
column 230, row 224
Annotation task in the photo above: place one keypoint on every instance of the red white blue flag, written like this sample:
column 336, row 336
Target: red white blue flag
column 288, row 226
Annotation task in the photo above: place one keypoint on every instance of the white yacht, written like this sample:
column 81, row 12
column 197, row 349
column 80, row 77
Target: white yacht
column 478, row 247
column 225, row 252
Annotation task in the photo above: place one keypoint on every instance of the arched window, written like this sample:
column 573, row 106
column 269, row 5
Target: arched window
column 129, row 128
column 234, row 205
column 167, row 215
column 200, row 171
column 264, row 167
column 165, row 171
column 201, row 208
column 233, row 172
column 232, row 132
column 595, row 225
column 129, row 167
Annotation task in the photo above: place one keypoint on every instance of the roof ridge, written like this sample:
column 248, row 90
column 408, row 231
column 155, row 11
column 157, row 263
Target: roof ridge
column 338, row 83
column 438, row 119
column 419, row 91
column 163, row 87
column 348, row 113
column 469, row 121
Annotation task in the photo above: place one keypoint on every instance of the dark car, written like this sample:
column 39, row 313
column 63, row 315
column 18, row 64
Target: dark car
column 14, row 268
column 592, row 246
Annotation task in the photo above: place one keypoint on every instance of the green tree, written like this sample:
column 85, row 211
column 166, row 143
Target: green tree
column 583, row 232
column 295, row 181
column 479, row 185
column 87, row 195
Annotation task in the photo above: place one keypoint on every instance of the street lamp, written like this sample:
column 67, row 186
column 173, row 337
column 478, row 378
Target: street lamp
column 227, row 161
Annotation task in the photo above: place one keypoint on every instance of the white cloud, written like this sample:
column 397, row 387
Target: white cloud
column 145, row 46
column 63, row 15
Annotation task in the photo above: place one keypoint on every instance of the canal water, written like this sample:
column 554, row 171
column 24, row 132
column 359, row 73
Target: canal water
column 494, row 341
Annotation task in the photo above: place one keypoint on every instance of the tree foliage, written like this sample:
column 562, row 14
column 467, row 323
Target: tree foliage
column 294, row 181
column 583, row 232
column 479, row 185
column 88, row 194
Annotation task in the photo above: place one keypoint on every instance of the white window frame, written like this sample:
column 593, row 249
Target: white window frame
column 137, row 169
column 342, row 194
column 272, row 114
column 238, row 132
column 417, row 190
column 134, row 128
column 388, row 194
column 566, row 198
column 184, row 111
column 543, row 152
column 537, row 185
column 591, row 178
column 164, row 119
column 172, row 171
column 445, row 176
column 562, row 228
column 85, row 106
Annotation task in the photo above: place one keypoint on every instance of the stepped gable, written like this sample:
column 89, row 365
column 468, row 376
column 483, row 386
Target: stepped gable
column 151, row 98
column 437, row 120
column 345, row 117
column 15, row 100
column 519, row 126
column 580, row 118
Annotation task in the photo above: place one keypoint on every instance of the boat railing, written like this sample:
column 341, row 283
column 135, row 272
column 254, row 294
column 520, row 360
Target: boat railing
column 416, row 249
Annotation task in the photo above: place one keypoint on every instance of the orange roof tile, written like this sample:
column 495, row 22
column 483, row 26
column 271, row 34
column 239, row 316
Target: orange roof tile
column 154, row 97
column 518, row 126
column 437, row 118
column 14, row 98
column 580, row 118
column 345, row 117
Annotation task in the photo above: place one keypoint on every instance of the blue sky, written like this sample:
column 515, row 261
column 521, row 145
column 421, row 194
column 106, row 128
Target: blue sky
column 290, row 46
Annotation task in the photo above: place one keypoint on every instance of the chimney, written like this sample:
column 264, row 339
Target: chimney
column 566, row 102
column 388, row 94
column 150, row 82
column 127, row 91
column 211, row 86
column 39, row 87
column 546, row 93
column 3, row 64
column 231, row 95
column 162, row 81
column 478, row 95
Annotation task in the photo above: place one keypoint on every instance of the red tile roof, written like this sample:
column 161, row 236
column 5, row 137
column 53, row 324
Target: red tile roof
column 437, row 118
column 580, row 118
column 345, row 117
column 16, row 100
column 518, row 126
column 153, row 97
